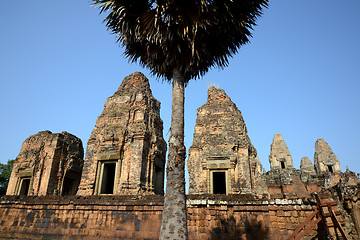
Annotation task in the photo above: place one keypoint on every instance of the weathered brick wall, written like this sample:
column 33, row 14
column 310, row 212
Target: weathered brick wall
column 128, row 217
column 80, row 218
column 246, row 219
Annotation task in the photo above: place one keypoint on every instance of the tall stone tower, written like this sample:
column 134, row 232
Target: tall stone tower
column 280, row 157
column 48, row 164
column 125, row 154
column 324, row 158
column 222, row 159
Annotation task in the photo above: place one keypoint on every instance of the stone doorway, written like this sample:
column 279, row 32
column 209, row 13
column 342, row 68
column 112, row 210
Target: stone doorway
column 218, row 182
column 24, row 186
column 282, row 165
column 68, row 186
column 106, row 178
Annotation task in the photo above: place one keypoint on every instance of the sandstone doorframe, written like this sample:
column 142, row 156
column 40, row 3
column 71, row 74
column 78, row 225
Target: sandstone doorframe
column 219, row 177
column 218, row 173
column 108, row 173
column 24, row 182
column 70, row 182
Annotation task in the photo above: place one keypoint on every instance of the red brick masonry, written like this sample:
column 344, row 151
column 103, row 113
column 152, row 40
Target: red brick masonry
column 131, row 217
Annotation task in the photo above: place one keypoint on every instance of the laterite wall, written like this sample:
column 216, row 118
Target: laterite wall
column 129, row 217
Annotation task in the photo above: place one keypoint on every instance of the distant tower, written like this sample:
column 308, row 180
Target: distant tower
column 125, row 154
column 280, row 157
column 48, row 164
column 222, row 159
column 324, row 158
column 307, row 166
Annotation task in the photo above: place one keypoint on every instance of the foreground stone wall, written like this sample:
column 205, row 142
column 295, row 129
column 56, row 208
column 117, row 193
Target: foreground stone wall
column 92, row 217
column 129, row 217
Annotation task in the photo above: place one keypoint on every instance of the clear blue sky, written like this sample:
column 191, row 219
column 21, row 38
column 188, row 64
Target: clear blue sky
column 299, row 76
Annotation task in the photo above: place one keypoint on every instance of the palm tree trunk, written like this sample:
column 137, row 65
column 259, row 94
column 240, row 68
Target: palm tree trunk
column 174, row 223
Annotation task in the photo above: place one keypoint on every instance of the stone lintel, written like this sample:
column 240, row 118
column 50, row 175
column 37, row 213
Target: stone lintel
column 218, row 164
column 109, row 155
column 26, row 172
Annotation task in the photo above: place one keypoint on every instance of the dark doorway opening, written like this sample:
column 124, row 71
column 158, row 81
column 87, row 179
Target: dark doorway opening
column 158, row 180
column 24, row 188
column 282, row 165
column 69, row 186
column 108, row 178
column 330, row 168
column 219, row 183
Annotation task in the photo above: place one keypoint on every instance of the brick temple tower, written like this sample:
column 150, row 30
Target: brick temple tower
column 280, row 157
column 48, row 164
column 125, row 154
column 222, row 159
column 324, row 158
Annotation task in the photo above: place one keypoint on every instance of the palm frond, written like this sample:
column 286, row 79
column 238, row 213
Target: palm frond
column 191, row 35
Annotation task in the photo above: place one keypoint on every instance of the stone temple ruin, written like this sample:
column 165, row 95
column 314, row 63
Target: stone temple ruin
column 48, row 164
column 222, row 159
column 117, row 191
column 126, row 151
column 280, row 157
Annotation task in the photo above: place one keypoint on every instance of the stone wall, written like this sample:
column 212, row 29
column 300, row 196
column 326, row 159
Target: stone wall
column 130, row 217
column 90, row 217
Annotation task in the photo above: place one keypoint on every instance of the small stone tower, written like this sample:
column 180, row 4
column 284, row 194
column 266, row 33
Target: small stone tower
column 280, row 157
column 125, row 154
column 324, row 158
column 307, row 166
column 48, row 164
column 222, row 159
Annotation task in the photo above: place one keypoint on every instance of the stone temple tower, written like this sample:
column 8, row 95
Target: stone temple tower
column 324, row 158
column 280, row 157
column 48, row 164
column 125, row 154
column 222, row 159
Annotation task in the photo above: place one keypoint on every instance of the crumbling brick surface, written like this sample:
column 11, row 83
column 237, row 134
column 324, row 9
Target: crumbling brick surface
column 128, row 132
column 46, row 159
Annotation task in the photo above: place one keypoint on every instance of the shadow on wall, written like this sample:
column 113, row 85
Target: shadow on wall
column 244, row 229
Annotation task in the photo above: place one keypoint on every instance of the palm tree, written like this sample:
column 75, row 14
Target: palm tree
column 180, row 40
